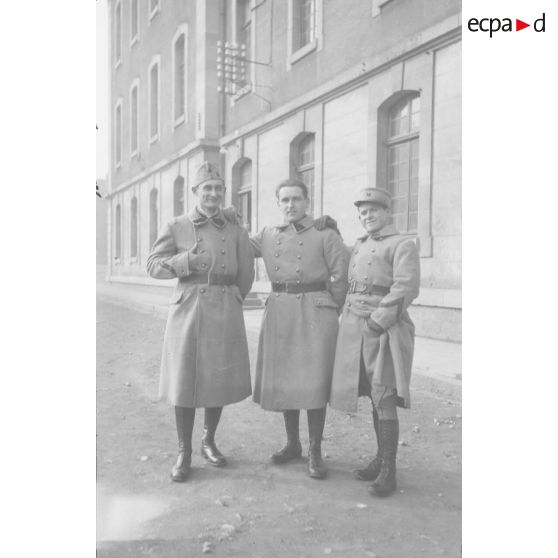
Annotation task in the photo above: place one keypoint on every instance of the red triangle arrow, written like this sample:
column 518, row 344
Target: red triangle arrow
column 519, row 25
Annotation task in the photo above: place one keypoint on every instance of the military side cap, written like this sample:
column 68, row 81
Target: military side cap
column 374, row 195
column 206, row 172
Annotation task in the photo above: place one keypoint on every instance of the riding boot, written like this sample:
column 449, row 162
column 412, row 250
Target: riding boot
column 184, row 424
column 316, row 421
column 293, row 449
column 371, row 472
column 209, row 450
column 386, row 483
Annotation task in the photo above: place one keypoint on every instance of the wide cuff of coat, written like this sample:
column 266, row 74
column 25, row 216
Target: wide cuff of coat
column 179, row 264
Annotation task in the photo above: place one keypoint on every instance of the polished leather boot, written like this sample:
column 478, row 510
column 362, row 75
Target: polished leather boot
column 184, row 424
column 209, row 450
column 386, row 482
column 371, row 472
column 293, row 449
column 316, row 421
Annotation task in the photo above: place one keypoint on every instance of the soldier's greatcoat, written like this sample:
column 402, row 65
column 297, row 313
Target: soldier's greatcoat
column 375, row 323
column 205, row 353
column 298, row 332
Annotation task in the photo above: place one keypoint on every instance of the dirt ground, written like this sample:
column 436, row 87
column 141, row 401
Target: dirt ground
column 253, row 508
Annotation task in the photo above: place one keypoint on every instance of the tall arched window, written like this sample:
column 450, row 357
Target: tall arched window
column 178, row 196
column 118, row 233
column 153, row 216
column 402, row 144
column 179, row 76
column 134, row 228
column 245, row 194
column 304, row 162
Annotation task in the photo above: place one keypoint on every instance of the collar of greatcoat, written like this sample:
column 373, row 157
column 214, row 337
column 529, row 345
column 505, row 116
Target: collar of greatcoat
column 199, row 218
column 387, row 230
column 307, row 222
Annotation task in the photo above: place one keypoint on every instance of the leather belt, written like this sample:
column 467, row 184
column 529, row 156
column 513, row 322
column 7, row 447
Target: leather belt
column 292, row 287
column 209, row 279
column 356, row 287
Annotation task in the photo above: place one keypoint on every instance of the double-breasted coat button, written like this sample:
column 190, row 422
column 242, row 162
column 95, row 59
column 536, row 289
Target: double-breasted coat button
column 298, row 281
column 298, row 296
column 297, row 270
column 202, row 291
column 300, row 243
column 222, row 251
column 369, row 263
column 204, row 265
column 223, row 290
column 372, row 249
column 223, row 238
column 276, row 268
column 354, row 265
column 365, row 277
column 200, row 238
column 276, row 294
column 223, row 266
column 299, row 257
column 276, row 254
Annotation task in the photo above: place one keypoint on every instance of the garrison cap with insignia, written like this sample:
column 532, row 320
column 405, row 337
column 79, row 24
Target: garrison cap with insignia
column 374, row 195
column 206, row 172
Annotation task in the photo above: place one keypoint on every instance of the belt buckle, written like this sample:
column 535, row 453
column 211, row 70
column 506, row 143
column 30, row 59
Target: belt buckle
column 287, row 291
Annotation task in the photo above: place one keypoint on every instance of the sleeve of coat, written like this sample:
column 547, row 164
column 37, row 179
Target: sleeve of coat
column 164, row 261
column 405, row 287
column 245, row 256
column 256, row 243
column 337, row 258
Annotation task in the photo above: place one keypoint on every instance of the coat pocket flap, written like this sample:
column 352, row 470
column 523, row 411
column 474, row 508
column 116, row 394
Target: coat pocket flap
column 176, row 297
column 325, row 301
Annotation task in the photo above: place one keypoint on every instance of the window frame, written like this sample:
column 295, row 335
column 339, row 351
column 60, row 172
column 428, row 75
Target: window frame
column 183, row 118
column 296, row 53
column 118, row 234
column 134, row 230
column 250, row 69
column 153, row 230
column 154, row 11
column 296, row 168
column 176, row 183
column 134, row 85
column 118, row 134
column 155, row 61
column 134, row 38
column 118, row 35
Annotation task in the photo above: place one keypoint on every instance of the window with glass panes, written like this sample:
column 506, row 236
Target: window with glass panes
column 305, row 163
column 153, row 216
column 154, row 101
column 178, row 197
column 403, row 162
column 179, row 77
column 118, row 235
column 134, row 228
column 118, row 134
column 117, row 32
column 245, row 195
column 134, row 119
column 134, row 19
column 305, row 21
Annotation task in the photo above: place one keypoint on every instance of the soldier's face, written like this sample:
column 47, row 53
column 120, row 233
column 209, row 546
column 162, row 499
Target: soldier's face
column 210, row 195
column 373, row 216
column 292, row 203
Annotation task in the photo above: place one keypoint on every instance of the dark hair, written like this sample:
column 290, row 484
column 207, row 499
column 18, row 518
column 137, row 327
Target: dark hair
column 292, row 182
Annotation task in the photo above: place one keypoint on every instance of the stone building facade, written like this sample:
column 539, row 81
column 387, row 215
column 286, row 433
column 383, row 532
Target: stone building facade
column 343, row 95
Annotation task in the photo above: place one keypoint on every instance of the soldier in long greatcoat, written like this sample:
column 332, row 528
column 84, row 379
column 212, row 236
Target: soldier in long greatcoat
column 205, row 353
column 375, row 344
column 308, row 273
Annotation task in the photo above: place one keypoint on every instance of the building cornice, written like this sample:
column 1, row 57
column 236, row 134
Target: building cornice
column 189, row 149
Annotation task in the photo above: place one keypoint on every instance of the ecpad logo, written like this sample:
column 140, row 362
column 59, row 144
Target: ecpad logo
column 494, row 24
